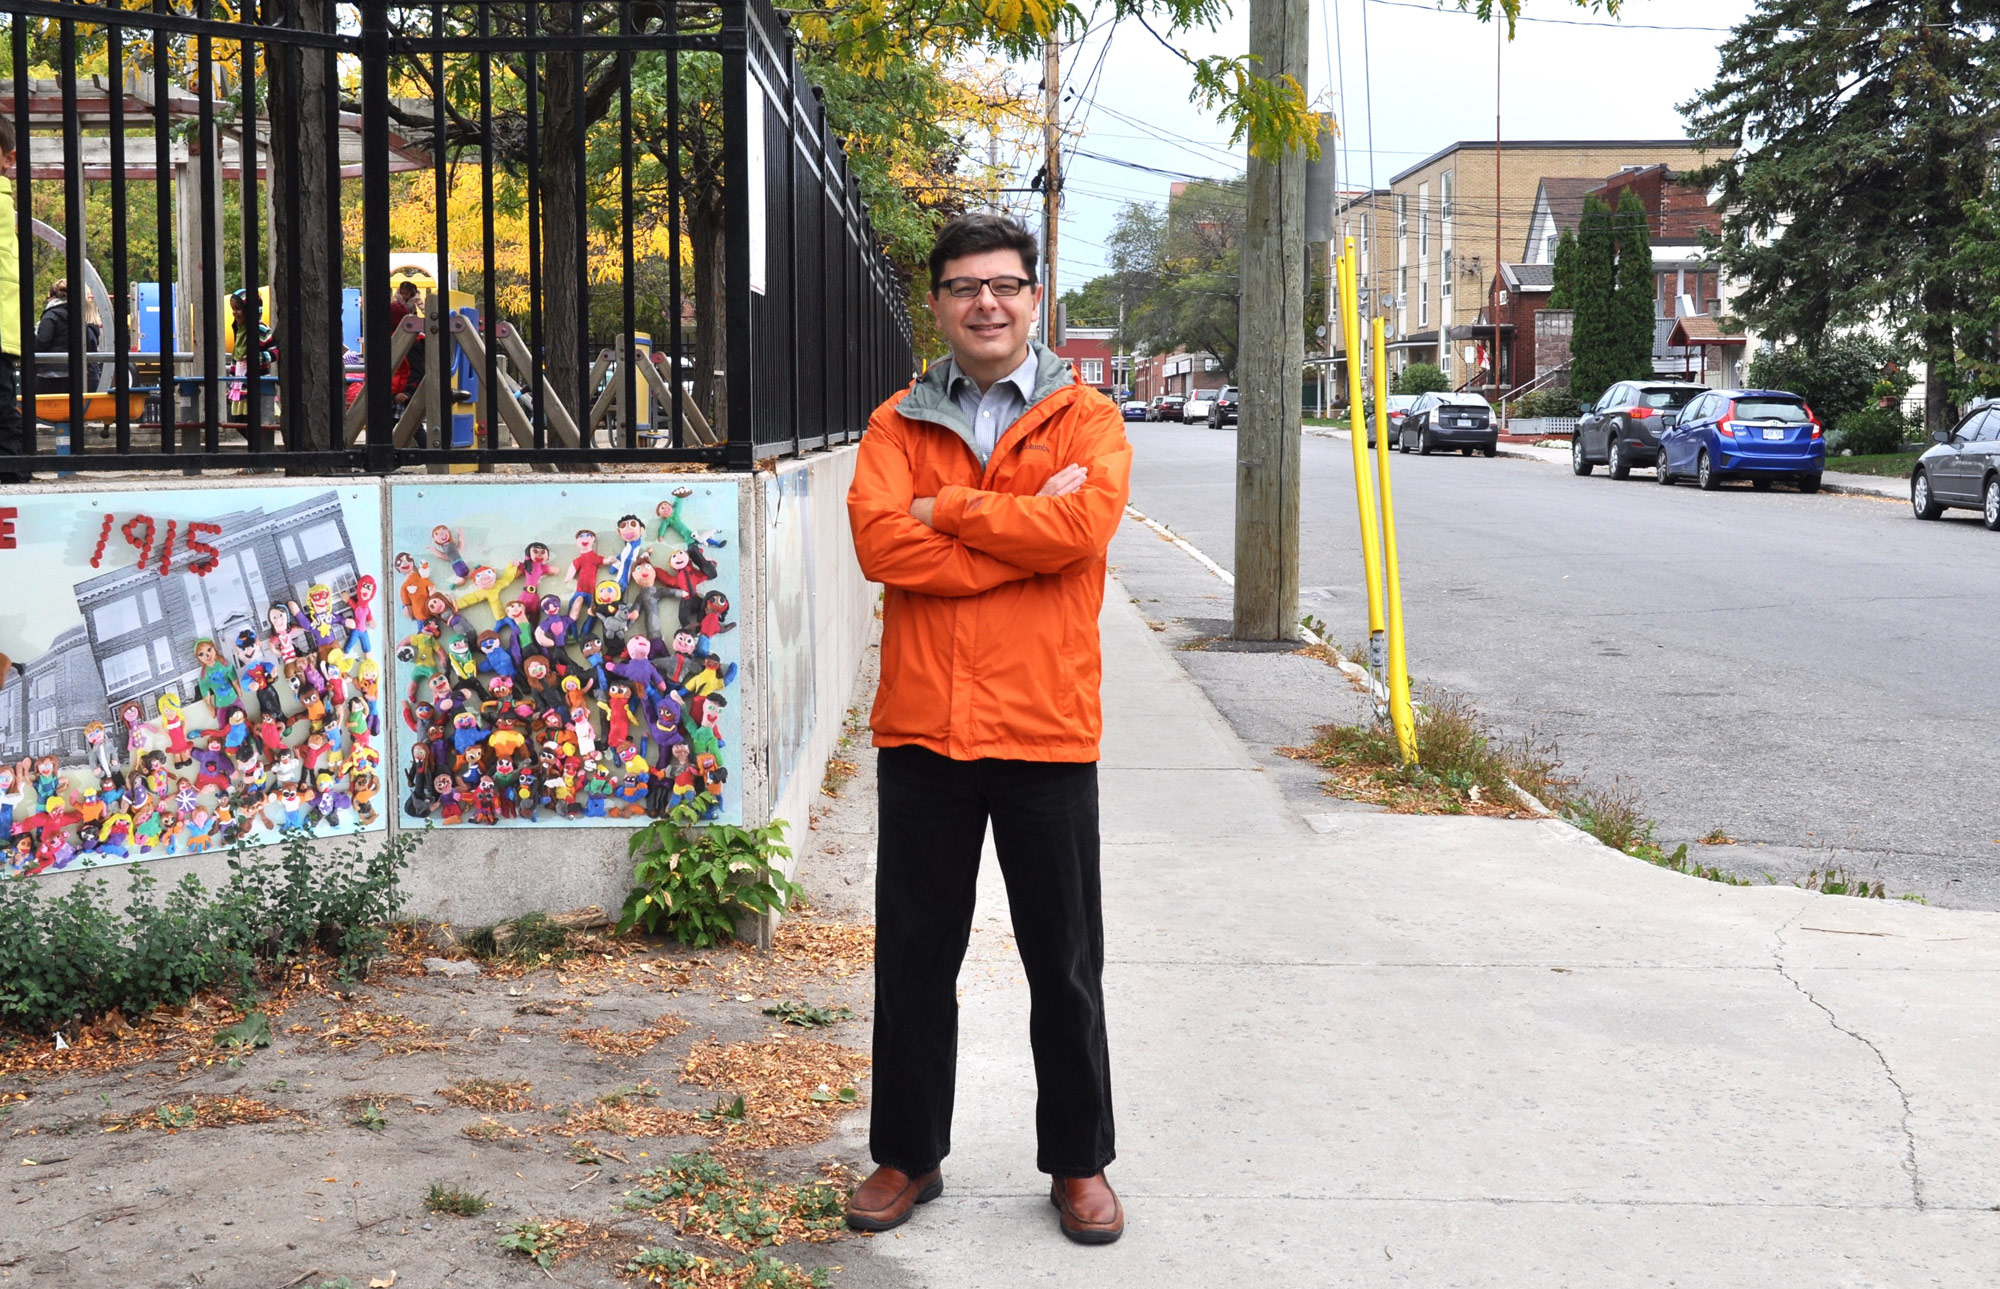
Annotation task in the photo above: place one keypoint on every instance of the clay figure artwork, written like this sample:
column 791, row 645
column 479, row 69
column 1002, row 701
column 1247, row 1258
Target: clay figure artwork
column 197, row 675
column 578, row 674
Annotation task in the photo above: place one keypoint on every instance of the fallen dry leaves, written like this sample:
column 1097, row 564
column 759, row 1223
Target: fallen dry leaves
column 628, row 1120
column 789, row 1087
column 628, row 1042
column 489, row 1095
column 198, row 1111
column 393, row 1032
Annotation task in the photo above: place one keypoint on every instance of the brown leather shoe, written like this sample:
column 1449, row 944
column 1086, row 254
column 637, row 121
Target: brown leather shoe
column 886, row 1200
column 1091, row 1213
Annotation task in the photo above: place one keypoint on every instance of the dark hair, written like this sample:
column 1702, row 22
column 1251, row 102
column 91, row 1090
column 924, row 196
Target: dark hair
column 6, row 135
column 972, row 234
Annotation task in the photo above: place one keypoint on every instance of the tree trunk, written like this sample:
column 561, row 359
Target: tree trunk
column 711, row 299
column 561, row 327
column 302, row 101
column 1940, row 352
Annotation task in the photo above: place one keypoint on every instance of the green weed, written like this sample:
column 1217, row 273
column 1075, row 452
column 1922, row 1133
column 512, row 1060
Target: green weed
column 455, row 1202
column 806, row 1015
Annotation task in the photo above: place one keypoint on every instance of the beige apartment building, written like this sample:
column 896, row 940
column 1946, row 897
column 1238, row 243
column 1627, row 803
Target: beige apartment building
column 1426, row 242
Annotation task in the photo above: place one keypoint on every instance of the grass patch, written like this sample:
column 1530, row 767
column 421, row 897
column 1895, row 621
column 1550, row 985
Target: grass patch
column 701, row 1196
column 454, row 1202
column 531, row 939
column 839, row 770
column 1895, row 465
column 1464, row 768
column 1835, row 880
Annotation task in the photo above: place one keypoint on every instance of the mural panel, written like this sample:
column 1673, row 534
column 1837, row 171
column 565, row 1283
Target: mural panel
column 567, row 652
column 187, row 668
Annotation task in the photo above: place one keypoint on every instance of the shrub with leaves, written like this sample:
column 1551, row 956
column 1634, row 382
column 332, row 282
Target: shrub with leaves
column 694, row 880
column 76, row 956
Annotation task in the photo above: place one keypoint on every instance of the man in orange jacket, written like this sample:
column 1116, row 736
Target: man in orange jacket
column 984, row 498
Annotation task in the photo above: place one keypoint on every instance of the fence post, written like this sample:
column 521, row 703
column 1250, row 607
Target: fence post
column 738, row 189
column 375, row 231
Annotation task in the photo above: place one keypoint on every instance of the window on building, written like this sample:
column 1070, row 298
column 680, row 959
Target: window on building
column 1444, row 202
column 125, row 669
column 118, row 618
column 163, row 657
column 1444, row 280
column 1444, row 359
column 42, row 722
column 1402, row 216
column 1093, row 371
column 1423, row 221
column 1423, row 304
column 321, row 540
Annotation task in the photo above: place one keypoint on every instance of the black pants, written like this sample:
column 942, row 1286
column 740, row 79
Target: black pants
column 13, row 439
column 933, row 813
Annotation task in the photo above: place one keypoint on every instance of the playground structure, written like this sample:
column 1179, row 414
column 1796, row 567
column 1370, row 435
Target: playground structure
column 255, row 159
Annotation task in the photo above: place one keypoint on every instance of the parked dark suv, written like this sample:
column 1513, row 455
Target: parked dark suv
column 1622, row 429
column 1223, row 410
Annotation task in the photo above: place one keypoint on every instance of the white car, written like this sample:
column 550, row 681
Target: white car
column 1196, row 410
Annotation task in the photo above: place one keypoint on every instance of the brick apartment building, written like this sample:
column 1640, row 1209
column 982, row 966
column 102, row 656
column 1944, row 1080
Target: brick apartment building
column 1426, row 241
column 1098, row 365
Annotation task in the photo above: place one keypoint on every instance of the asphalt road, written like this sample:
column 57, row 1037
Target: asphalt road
column 1811, row 675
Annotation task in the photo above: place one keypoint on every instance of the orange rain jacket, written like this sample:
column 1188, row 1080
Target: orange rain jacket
column 989, row 624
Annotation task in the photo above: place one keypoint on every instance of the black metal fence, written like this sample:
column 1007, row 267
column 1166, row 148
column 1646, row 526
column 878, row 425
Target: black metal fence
column 627, row 231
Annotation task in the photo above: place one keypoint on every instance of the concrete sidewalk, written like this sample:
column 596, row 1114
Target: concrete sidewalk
column 1457, row 1051
column 1834, row 480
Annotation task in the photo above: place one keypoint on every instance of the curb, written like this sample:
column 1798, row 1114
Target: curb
column 1843, row 489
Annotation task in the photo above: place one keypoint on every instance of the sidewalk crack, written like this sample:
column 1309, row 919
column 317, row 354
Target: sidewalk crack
column 1909, row 1135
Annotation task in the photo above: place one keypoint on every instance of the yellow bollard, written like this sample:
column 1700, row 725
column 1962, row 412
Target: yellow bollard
column 1364, row 499
column 1400, row 714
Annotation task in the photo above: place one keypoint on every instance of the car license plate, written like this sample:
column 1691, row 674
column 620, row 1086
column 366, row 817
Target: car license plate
column 1774, row 434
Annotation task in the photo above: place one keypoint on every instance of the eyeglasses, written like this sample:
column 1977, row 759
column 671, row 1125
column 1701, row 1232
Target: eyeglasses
column 967, row 288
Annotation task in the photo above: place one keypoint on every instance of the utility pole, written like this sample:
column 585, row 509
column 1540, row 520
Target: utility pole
column 1493, row 296
column 1272, row 354
column 1051, row 181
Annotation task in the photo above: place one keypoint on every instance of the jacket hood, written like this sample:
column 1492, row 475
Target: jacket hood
column 930, row 397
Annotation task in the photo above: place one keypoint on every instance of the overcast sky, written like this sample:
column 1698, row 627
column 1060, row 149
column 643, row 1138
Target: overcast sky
column 1432, row 84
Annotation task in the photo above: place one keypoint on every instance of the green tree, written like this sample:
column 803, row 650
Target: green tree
column 1179, row 272
column 1562, row 295
column 1595, row 359
column 1848, row 151
column 1838, row 380
column 1634, row 303
column 1420, row 378
column 1096, row 303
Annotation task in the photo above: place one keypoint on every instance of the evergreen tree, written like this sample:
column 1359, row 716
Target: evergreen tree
column 1563, row 294
column 1634, row 305
column 1849, row 144
column 1593, row 342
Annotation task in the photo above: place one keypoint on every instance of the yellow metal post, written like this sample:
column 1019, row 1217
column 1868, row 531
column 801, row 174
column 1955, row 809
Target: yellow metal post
column 1364, row 493
column 1398, row 678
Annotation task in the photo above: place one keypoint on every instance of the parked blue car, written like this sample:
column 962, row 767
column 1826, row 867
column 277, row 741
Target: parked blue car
column 1762, row 435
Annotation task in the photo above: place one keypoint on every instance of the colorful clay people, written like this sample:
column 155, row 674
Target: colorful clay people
column 525, row 705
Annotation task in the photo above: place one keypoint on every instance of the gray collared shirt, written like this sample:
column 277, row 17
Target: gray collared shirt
column 999, row 407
